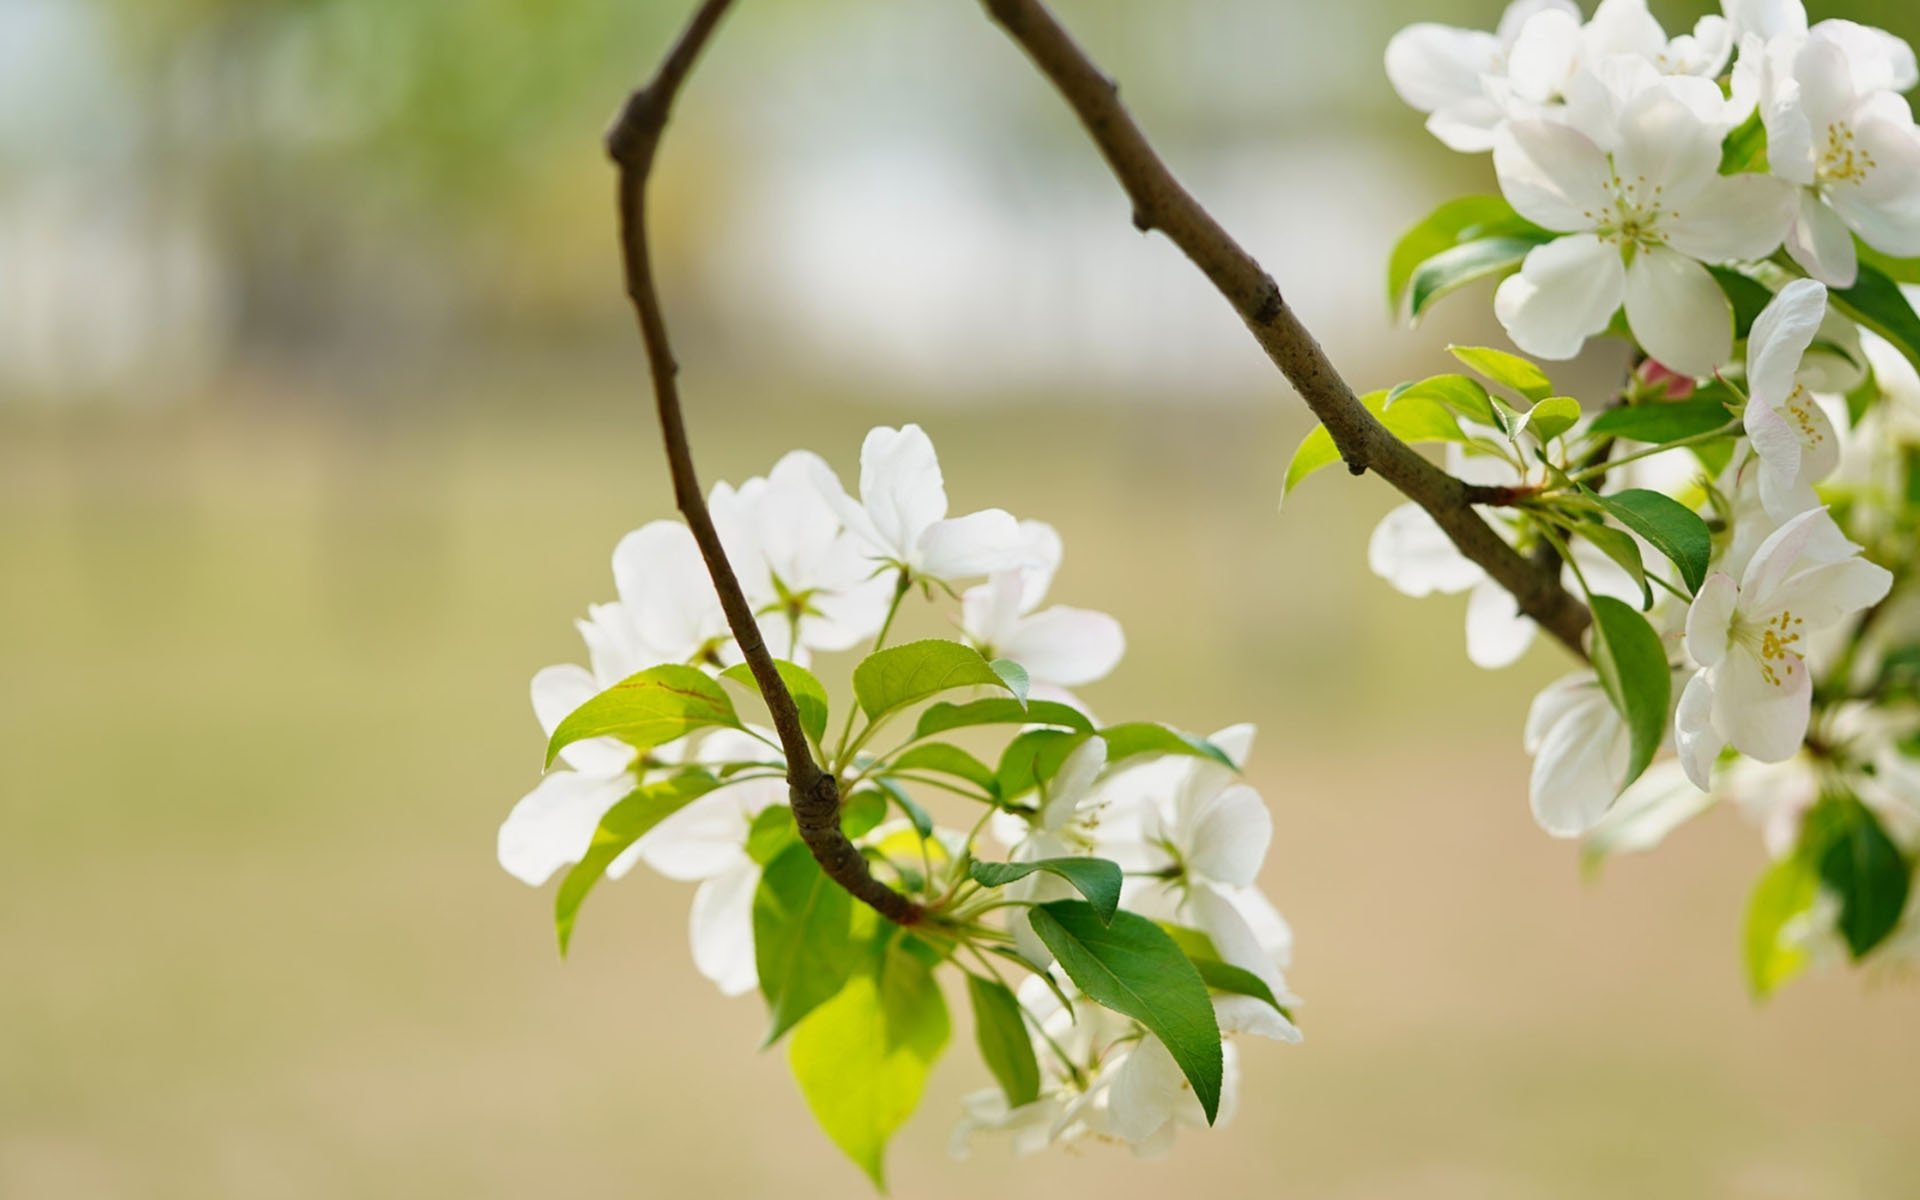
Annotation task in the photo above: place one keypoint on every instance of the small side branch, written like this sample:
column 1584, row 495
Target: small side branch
column 632, row 144
column 1161, row 203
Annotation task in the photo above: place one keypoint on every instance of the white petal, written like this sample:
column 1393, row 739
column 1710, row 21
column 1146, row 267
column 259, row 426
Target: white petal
column 1073, row 782
column 706, row 838
column 1467, row 126
column 1768, row 18
column 1579, row 768
column 1778, row 447
column 1878, row 61
column 1822, row 244
column 1148, row 1092
column 970, row 546
column 1546, row 52
column 1762, row 706
column 1552, row 174
column 553, row 824
column 1825, row 595
column 1553, row 703
column 721, row 928
column 1678, row 313
column 1415, row 555
column 1710, row 619
column 557, row 691
column 901, row 486
column 1244, row 1014
column 1658, row 803
column 1227, row 916
column 1694, row 736
column 1566, row 292
column 1780, row 337
column 1810, row 537
column 1624, row 27
column 1884, row 208
column 1066, row 646
column 665, row 589
column 1433, row 66
column 1664, row 143
column 1229, row 834
column 1732, row 218
column 1497, row 632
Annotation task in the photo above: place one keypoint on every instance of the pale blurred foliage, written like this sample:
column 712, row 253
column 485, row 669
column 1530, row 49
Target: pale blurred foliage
column 320, row 413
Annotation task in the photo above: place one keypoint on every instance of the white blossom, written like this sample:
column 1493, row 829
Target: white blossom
column 1059, row 647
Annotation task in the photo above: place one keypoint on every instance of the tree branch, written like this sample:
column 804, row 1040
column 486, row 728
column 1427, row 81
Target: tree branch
column 1161, row 203
column 632, row 144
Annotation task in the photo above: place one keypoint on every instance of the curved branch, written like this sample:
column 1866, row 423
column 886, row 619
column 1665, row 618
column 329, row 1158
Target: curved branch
column 632, row 144
column 1161, row 203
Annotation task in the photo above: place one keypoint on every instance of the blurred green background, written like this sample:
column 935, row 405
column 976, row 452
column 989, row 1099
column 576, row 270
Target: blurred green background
column 320, row 414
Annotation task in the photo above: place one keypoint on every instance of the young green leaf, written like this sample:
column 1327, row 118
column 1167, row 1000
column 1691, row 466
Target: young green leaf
column 943, row 759
column 1460, row 393
column 1013, row 676
column 918, row 817
column 1787, row 890
column 1413, row 421
column 1134, row 968
column 1507, row 370
column 1552, row 417
column 1136, row 738
column 1033, row 759
column 622, row 825
column 1450, row 270
column 1632, row 664
column 1001, row 1033
column 1660, row 423
column 803, row 940
column 647, row 710
column 1876, row 302
column 1625, row 552
column 940, row 718
column 891, row 679
column 1673, row 529
column 1468, row 218
column 1860, row 864
column 1095, row 878
column 862, row 1058
column 808, row 696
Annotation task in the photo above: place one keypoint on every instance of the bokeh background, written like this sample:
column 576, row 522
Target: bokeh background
column 320, row 412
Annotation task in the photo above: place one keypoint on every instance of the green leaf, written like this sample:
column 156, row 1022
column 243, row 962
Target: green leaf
column 1861, row 865
column 862, row 1058
column 1095, row 878
column 1013, row 676
column 1552, row 417
column 1413, row 421
column 943, row 759
column 1507, row 370
column 648, row 710
column 891, row 679
column 1746, row 148
column 1788, row 889
column 1450, row 270
column 771, row 832
column 1134, row 968
column 1876, row 302
column 808, row 696
column 1460, row 393
column 939, row 718
column 1237, row 981
column 1661, row 423
column 802, row 938
column 1625, row 552
column 1674, row 529
column 1900, row 270
column 622, row 825
column 918, row 817
column 1135, row 738
column 1033, row 759
column 1000, row 1031
column 862, row 813
column 1466, row 219
column 1748, row 296
column 1632, row 664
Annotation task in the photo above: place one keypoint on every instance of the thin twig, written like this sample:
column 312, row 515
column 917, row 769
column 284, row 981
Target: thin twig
column 1161, row 203
column 632, row 144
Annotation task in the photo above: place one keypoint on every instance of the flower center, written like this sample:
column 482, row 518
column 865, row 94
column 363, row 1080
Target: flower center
column 1773, row 642
column 1798, row 408
column 1635, row 214
column 1842, row 160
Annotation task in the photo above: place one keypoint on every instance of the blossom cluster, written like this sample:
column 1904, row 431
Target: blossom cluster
column 1129, row 839
column 1735, row 203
